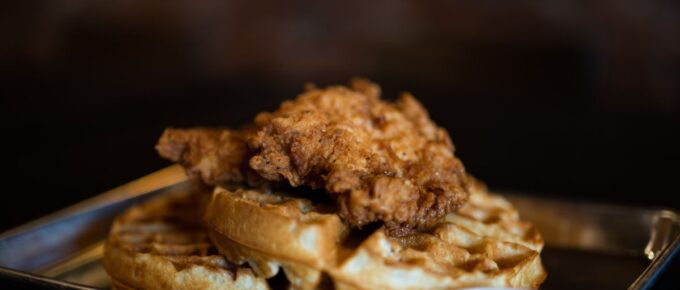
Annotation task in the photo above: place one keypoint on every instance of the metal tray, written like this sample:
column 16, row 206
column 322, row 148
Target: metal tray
column 588, row 246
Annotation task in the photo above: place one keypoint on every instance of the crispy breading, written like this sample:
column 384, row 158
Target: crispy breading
column 213, row 156
column 382, row 161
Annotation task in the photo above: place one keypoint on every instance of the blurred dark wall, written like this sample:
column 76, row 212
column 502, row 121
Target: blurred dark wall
column 575, row 98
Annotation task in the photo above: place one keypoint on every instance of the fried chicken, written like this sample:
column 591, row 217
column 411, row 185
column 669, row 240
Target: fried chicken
column 212, row 156
column 382, row 162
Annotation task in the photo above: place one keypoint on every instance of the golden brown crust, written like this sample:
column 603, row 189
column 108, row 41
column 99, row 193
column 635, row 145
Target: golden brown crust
column 213, row 156
column 382, row 161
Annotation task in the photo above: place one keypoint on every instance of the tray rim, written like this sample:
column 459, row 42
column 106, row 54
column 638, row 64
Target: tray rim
column 164, row 177
column 36, row 279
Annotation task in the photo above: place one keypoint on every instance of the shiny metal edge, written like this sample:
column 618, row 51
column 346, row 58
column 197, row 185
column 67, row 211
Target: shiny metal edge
column 67, row 232
column 89, row 255
column 581, row 219
column 648, row 277
column 33, row 280
column 162, row 178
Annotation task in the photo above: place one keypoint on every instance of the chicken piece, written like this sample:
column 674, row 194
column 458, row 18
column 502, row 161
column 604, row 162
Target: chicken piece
column 213, row 156
column 381, row 161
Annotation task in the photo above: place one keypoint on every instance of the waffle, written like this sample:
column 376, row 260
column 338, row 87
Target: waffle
column 161, row 244
column 491, row 215
column 270, row 231
column 485, row 244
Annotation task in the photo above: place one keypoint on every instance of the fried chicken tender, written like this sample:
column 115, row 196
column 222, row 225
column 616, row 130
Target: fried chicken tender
column 212, row 156
column 381, row 161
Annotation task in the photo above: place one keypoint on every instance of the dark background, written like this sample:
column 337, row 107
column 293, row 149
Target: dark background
column 577, row 99
column 571, row 98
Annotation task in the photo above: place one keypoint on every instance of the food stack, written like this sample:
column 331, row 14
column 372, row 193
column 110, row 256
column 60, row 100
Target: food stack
column 337, row 189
